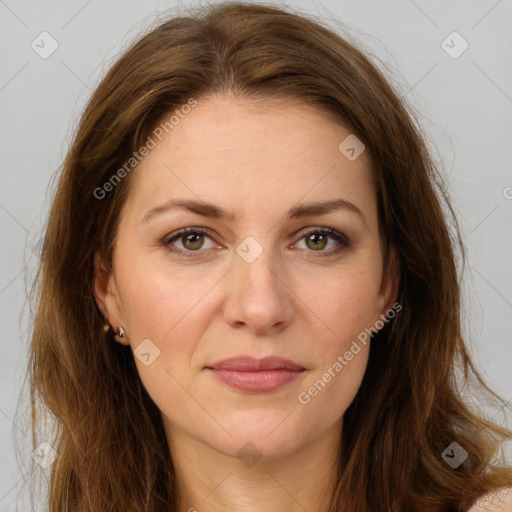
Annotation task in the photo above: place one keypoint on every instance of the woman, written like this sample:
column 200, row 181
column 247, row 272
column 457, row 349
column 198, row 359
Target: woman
column 248, row 294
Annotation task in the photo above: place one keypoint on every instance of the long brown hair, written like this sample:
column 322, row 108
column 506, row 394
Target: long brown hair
column 108, row 435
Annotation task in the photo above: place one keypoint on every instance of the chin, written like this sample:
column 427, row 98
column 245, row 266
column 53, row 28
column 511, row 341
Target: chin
column 266, row 435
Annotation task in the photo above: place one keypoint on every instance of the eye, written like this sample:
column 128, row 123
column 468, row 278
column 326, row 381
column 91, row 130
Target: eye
column 316, row 239
column 192, row 239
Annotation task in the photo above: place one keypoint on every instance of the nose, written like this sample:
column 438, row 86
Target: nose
column 258, row 296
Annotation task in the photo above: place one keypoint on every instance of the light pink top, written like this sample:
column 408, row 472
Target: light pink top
column 498, row 501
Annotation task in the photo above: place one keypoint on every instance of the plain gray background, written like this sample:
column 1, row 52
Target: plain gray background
column 465, row 102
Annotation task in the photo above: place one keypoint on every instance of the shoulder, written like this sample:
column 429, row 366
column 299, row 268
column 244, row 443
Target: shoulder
column 496, row 501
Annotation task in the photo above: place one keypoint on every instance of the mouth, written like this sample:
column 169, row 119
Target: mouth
column 250, row 374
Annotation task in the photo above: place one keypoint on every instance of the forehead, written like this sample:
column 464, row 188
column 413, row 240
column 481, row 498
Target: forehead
column 264, row 152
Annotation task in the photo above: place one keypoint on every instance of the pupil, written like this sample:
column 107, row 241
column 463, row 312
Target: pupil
column 318, row 242
column 190, row 238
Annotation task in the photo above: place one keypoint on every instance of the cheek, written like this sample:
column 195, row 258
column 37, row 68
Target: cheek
column 158, row 302
column 341, row 354
column 172, row 309
column 169, row 311
column 331, row 392
column 343, row 302
column 345, row 306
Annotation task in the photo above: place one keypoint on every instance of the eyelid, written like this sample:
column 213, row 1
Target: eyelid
column 333, row 233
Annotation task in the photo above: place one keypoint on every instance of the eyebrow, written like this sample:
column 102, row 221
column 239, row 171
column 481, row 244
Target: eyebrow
column 212, row 211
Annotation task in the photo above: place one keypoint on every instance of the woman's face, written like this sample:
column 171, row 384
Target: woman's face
column 258, row 275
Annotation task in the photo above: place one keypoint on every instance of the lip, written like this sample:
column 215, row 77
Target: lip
column 245, row 363
column 251, row 374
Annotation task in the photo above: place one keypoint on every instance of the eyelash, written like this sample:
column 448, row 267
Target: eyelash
column 332, row 233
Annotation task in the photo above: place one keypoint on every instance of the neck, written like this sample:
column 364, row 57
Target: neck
column 210, row 481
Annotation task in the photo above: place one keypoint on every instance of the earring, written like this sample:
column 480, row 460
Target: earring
column 120, row 332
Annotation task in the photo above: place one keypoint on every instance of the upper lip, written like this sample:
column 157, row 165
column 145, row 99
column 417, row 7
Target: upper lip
column 247, row 363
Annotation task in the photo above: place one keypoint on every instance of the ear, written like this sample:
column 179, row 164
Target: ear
column 106, row 294
column 390, row 283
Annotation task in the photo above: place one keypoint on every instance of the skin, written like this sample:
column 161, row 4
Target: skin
column 258, row 160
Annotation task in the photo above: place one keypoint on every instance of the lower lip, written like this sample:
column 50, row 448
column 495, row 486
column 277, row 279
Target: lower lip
column 258, row 381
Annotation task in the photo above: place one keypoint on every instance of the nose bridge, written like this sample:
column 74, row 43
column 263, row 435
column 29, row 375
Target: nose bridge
column 257, row 269
column 259, row 297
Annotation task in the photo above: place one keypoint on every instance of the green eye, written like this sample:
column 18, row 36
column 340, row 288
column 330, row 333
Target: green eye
column 316, row 239
column 192, row 240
